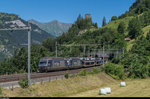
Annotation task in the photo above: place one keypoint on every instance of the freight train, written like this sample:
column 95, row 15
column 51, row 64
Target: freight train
column 47, row 64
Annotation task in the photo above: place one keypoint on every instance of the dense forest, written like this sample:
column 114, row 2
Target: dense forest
column 132, row 24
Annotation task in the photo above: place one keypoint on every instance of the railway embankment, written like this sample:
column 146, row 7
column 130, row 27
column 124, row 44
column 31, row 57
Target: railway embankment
column 82, row 86
column 62, row 87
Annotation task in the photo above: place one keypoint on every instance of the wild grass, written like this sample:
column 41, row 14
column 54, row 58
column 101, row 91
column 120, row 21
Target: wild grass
column 134, row 88
column 83, row 86
column 146, row 30
column 62, row 88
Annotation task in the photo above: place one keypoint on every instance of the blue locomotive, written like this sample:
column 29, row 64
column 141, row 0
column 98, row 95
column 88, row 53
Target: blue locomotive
column 60, row 63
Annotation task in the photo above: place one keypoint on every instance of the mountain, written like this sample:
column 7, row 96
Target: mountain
column 10, row 40
column 55, row 27
column 135, row 4
column 132, row 56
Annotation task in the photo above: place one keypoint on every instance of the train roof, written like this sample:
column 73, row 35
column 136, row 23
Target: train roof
column 88, row 60
column 47, row 58
column 72, row 58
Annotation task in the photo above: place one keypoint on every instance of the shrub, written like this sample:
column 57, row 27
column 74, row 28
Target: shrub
column 1, row 90
column 82, row 73
column 23, row 83
column 66, row 75
column 94, row 71
column 114, row 70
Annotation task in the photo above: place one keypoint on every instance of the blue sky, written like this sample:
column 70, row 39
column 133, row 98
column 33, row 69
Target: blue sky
column 65, row 10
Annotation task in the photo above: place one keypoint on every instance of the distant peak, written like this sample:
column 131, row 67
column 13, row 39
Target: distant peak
column 54, row 21
column 32, row 20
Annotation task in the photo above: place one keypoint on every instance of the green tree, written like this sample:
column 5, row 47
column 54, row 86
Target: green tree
column 114, row 18
column 140, row 46
column 49, row 43
column 114, row 70
column 95, row 25
column 104, row 21
column 148, row 41
column 134, row 28
column 121, row 27
column 136, row 65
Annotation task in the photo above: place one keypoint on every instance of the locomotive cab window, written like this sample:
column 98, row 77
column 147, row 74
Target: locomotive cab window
column 43, row 62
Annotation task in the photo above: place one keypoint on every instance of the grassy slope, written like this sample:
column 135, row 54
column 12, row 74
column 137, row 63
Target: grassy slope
column 134, row 88
column 126, row 20
column 146, row 30
column 84, row 87
column 114, row 24
column 65, row 87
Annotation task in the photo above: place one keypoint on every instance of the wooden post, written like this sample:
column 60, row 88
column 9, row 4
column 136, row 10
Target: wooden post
column 12, row 87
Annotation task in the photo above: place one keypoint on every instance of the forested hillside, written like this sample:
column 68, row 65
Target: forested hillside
column 10, row 40
column 133, row 24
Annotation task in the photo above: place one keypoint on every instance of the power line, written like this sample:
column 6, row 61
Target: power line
column 29, row 42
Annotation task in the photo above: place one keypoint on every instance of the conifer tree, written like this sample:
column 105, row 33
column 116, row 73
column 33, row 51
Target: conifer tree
column 104, row 21
column 121, row 27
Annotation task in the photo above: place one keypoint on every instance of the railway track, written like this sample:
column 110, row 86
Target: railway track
column 17, row 77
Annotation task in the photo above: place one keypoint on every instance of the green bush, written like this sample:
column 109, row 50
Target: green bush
column 66, row 75
column 23, row 83
column 114, row 70
column 94, row 71
column 82, row 73
column 1, row 90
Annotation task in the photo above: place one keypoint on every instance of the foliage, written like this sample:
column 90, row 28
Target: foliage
column 134, row 28
column 82, row 73
column 137, row 60
column 49, row 43
column 66, row 75
column 114, row 18
column 11, row 40
column 121, row 27
column 144, row 6
column 148, row 43
column 104, row 21
column 94, row 71
column 1, row 90
column 114, row 70
column 136, row 65
column 140, row 46
column 23, row 83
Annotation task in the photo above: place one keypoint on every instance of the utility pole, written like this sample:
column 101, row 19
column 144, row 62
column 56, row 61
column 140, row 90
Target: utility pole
column 29, row 42
column 84, row 50
column 70, row 49
column 61, row 51
column 117, row 53
column 123, row 51
column 103, row 55
column 56, row 48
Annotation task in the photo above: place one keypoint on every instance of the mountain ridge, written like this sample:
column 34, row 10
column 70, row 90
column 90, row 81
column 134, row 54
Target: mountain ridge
column 54, row 27
column 10, row 40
